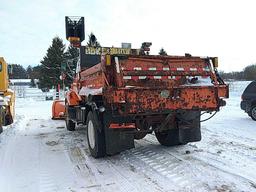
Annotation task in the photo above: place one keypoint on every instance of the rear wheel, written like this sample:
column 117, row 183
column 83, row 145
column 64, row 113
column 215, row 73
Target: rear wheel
column 253, row 113
column 71, row 125
column 95, row 136
column 169, row 137
column 139, row 135
column 183, row 129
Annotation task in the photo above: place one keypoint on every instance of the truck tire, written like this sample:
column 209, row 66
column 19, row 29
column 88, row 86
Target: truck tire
column 169, row 137
column 139, row 135
column 71, row 125
column 252, row 113
column 95, row 136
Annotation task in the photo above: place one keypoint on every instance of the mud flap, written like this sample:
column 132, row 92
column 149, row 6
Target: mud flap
column 117, row 140
column 189, row 135
column 189, row 126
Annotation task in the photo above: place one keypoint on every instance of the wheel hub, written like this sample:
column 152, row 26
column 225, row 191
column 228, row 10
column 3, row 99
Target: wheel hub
column 91, row 134
column 254, row 112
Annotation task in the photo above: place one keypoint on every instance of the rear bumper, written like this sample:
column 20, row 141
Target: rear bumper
column 133, row 100
column 246, row 106
column 243, row 105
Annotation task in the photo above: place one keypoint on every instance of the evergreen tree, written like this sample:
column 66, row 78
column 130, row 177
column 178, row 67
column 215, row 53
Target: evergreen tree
column 71, row 59
column 18, row 72
column 250, row 72
column 51, row 65
column 92, row 42
column 36, row 72
column 162, row 52
column 32, row 83
column 29, row 71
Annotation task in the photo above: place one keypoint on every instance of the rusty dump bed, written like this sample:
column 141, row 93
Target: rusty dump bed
column 155, row 84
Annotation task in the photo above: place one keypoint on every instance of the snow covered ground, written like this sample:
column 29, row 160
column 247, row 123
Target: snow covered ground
column 39, row 154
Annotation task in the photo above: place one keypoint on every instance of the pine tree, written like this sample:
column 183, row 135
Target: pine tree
column 162, row 52
column 71, row 59
column 29, row 71
column 36, row 72
column 51, row 65
column 18, row 72
column 92, row 42
column 32, row 83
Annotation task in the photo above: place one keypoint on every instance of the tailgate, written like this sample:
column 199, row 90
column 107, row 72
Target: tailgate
column 161, row 71
column 158, row 100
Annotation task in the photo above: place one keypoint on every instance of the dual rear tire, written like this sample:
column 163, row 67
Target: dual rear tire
column 169, row 137
column 95, row 133
column 95, row 136
column 186, row 128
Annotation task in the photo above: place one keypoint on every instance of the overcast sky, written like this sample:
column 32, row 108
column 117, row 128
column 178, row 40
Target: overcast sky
column 223, row 28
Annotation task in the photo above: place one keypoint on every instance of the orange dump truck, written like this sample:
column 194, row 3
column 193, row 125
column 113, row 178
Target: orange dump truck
column 122, row 94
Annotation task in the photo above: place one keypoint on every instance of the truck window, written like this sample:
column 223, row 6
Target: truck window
column 1, row 67
column 87, row 61
column 251, row 88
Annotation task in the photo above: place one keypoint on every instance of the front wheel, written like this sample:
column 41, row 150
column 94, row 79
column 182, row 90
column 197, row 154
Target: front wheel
column 253, row 113
column 71, row 125
column 95, row 136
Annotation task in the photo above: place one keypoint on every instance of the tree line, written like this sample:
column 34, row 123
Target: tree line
column 57, row 65
column 248, row 73
column 60, row 61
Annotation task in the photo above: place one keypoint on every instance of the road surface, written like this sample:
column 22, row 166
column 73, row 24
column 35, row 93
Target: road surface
column 39, row 154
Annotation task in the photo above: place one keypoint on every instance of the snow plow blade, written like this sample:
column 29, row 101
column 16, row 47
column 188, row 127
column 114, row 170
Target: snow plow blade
column 58, row 109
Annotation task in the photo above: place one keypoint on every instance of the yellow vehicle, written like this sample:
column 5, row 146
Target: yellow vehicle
column 7, row 97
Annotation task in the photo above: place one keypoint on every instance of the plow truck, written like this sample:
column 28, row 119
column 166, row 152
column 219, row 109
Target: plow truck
column 123, row 94
column 7, row 97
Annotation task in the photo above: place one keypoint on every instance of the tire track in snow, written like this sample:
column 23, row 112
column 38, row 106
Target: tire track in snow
column 201, row 163
column 110, row 173
column 56, row 173
column 168, row 166
column 163, row 170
